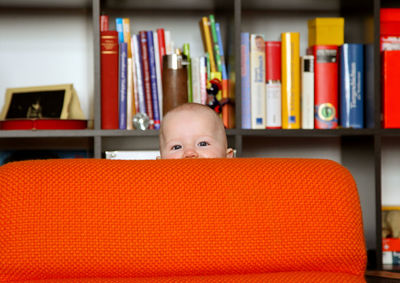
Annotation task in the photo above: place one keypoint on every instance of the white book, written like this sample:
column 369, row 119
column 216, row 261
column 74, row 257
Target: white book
column 169, row 45
column 196, row 79
column 203, row 79
column 129, row 95
column 257, row 81
column 133, row 154
column 158, row 71
column 307, row 92
column 139, row 76
column 273, row 103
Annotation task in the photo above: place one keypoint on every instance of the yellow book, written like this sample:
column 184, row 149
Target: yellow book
column 127, row 35
column 326, row 31
column 290, row 80
column 205, row 30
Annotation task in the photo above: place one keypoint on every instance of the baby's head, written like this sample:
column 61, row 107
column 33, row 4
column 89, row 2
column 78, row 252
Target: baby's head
column 193, row 130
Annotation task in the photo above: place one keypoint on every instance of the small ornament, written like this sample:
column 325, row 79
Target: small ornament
column 141, row 121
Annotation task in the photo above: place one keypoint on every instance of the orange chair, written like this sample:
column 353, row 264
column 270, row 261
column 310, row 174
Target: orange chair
column 212, row 220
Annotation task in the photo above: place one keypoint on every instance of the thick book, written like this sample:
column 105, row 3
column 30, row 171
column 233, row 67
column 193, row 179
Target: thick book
column 257, row 81
column 122, row 85
column 352, row 85
column 207, row 41
column 245, row 79
column 109, row 79
column 290, row 80
column 141, row 105
column 161, row 45
column 326, row 93
column 307, row 92
column 146, row 76
column 273, row 85
column 391, row 88
column 153, row 79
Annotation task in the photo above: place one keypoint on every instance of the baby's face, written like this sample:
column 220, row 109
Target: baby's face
column 192, row 134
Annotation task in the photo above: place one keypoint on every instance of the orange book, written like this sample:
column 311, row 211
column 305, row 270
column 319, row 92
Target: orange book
column 205, row 31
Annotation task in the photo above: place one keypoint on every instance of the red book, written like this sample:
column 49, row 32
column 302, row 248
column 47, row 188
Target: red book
column 103, row 22
column 273, row 84
column 161, row 45
column 109, row 79
column 146, row 75
column 326, row 91
column 390, row 29
column 391, row 88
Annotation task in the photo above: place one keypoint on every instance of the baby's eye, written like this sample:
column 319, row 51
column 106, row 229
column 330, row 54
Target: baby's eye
column 203, row 143
column 176, row 147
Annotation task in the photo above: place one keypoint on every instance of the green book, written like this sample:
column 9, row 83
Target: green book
column 186, row 53
column 217, row 52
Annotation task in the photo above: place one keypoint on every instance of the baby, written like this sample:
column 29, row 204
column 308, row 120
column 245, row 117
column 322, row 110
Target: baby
column 193, row 130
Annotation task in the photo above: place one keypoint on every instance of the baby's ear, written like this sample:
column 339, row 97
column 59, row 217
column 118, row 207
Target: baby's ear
column 230, row 153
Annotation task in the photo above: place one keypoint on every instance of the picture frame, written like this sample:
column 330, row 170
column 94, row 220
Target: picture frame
column 38, row 102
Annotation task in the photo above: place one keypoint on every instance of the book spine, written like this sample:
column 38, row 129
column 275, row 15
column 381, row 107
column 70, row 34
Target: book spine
column 273, row 84
column 203, row 79
column 257, row 81
column 120, row 29
column 307, row 92
column 153, row 79
column 369, row 86
column 391, row 88
column 186, row 53
column 214, row 37
column 122, row 87
column 221, row 51
column 161, row 44
column 196, row 79
column 130, row 101
column 158, row 72
column 245, row 88
column 326, row 92
column 207, row 40
column 134, row 77
column 109, row 79
column 290, row 80
column 104, row 22
column 169, row 45
column 352, row 85
column 139, row 74
column 146, row 76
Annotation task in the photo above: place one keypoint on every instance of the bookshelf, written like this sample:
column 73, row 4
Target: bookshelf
column 372, row 155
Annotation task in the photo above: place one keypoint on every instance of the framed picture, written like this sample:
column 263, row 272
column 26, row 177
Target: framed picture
column 41, row 102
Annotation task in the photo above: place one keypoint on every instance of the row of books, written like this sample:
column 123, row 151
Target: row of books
column 132, row 73
column 323, row 89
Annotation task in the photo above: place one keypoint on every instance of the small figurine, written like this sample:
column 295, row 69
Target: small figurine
column 212, row 91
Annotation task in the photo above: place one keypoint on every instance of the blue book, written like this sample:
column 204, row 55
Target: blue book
column 245, row 91
column 122, row 84
column 352, row 85
column 120, row 29
column 221, row 51
column 153, row 79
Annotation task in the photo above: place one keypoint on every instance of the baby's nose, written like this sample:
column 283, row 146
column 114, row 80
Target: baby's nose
column 190, row 153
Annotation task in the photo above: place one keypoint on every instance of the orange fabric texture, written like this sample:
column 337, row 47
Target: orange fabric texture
column 90, row 218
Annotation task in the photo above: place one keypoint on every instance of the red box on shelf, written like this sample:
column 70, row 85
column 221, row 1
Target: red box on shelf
column 391, row 88
column 390, row 29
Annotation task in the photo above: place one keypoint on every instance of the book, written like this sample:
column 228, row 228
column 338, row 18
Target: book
column 161, row 45
column 158, row 73
column 257, row 81
column 146, row 76
column 325, row 85
column 352, row 85
column 132, row 154
column 120, row 29
column 109, row 79
column 130, row 100
column 207, row 41
column 214, row 37
column 122, row 85
column 153, row 79
column 245, row 79
column 307, row 92
column 290, row 80
column 273, row 84
column 391, row 88
column 169, row 44
column 203, row 79
column 196, row 80
column 389, row 20
column 186, row 53
column 369, row 87
column 104, row 22
column 139, row 74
